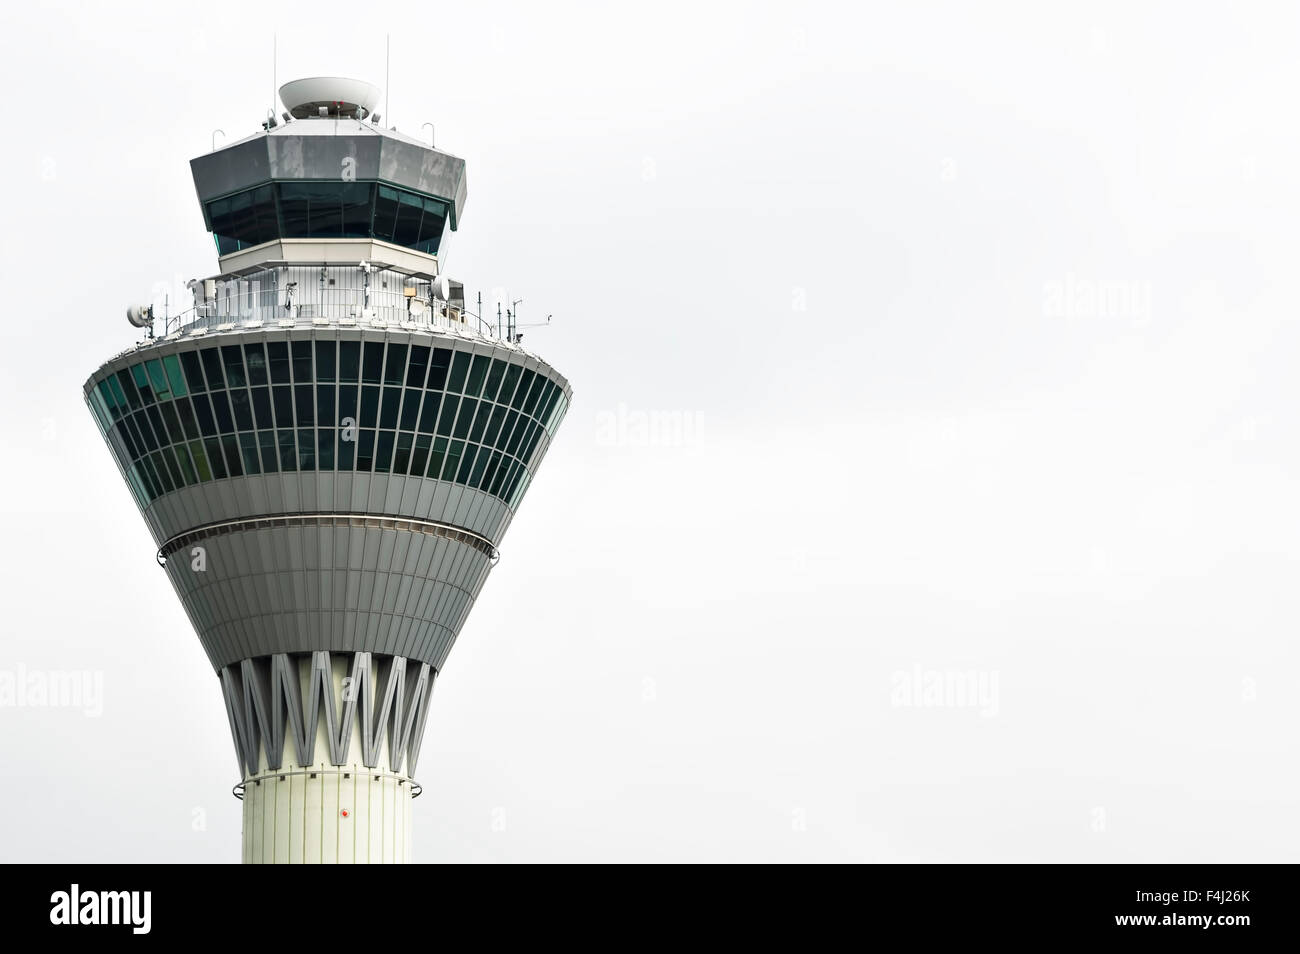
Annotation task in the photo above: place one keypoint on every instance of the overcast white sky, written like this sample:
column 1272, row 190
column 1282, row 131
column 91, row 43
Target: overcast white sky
column 983, row 328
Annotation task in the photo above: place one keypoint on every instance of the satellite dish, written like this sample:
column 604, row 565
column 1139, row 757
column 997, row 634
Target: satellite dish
column 442, row 288
column 140, row 315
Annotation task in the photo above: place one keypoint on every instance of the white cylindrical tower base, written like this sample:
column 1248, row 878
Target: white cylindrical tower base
column 327, row 816
column 327, row 744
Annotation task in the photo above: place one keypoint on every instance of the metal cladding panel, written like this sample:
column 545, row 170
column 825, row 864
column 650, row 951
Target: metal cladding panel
column 323, row 157
column 280, row 590
column 288, row 156
column 231, row 169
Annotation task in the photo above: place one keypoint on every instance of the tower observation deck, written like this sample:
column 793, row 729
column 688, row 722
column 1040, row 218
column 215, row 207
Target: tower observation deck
column 327, row 448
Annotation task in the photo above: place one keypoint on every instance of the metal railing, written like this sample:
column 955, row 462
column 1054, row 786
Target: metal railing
column 307, row 296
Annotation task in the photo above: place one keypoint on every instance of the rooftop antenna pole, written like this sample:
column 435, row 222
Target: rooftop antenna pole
column 274, row 38
column 387, row 58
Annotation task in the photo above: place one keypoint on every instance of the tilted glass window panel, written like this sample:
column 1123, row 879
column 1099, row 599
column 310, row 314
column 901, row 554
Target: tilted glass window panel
column 410, row 408
column 384, row 452
column 173, row 424
column 325, row 438
column 517, row 488
column 216, row 460
column 369, row 416
column 248, row 449
column 314, row 209
column 155, row 419
column 270, row 452
column 306, row 449
column 512, row 419
column 438, row 369
column 165, row 465
column 477, row 374
column 454, row 451
column 372, row 362
column 386, row 207
column 288, row 450
column 126, row 387
column 495, row 374
column 212, row 368
column 119, row 396
column 357, row 199
column 137, row 435
column 503, row 474
column 365, row 451
column 431, row 226
column 262, row 408
column 480, row 421
column 175, row 377
column 255, row 356
column 447, row 416
column 494, row 464
column 466, row 463
column 347, row 447
column 521, row 392
column 232, row 356
column 436, row 458
column 530, row 443
column 325, row 360
column 480, row 465
column 221, row 407
column 160, row 470
column 183, row 461
column 517, row 437
column 459, row 368
column 418, row 367
column 410, row 209
column 429, row 415
column 402, row 455
column 305, row 399
column 142, row 385
column 539, row 385
column 420, row 454
column 282, row 398
column 395, row 368
column 508, row 384
column 302, row 373
column 124, row 435
column 140, row 421
column 391, row 404
column 347, row 403
column 202, row 470
column 230, row 444
column 494, row 424
column 539, row 406
column 193, row 371
column 325, row 404
column 349, row 361
column 150, row 477
column 158, row 378
column 468, row 406
column 242, row 407
column 277, row 360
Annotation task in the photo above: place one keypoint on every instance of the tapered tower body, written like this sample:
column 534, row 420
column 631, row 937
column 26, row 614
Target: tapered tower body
column 328, row 449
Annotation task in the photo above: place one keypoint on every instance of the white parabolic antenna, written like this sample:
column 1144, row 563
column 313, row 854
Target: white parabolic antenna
column 337, row 94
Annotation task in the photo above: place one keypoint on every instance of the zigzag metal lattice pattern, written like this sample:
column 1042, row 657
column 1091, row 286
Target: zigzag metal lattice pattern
column 262, row 691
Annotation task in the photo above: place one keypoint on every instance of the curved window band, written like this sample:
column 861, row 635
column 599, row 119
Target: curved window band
column 330, row 209
column 262, row 408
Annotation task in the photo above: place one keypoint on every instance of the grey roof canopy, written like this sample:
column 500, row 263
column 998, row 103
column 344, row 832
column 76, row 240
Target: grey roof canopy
column 333, row 150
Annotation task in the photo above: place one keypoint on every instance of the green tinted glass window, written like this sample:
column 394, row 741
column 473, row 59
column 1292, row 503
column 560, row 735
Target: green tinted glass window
column 175, row 377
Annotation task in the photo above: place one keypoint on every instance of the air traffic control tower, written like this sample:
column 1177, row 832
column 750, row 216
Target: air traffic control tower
column 327, row 448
